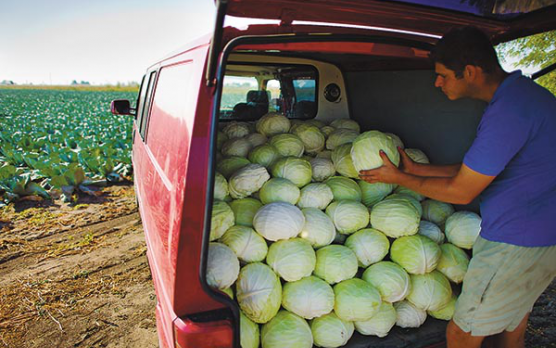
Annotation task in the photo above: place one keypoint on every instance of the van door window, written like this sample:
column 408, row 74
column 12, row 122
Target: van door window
column 235, row 92
column 145, row 106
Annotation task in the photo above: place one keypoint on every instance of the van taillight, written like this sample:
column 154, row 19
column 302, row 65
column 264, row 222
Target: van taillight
column 212, row 334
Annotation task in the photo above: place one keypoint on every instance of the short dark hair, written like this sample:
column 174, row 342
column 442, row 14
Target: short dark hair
column 465, row 46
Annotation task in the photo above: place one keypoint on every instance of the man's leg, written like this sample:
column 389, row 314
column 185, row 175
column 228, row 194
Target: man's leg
column 457, row 338
column 513, row 339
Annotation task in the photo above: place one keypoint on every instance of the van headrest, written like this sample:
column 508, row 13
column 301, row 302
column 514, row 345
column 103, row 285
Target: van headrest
column 258, row 97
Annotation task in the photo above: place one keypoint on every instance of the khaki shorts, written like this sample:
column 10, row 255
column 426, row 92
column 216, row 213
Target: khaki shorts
column 501, row 286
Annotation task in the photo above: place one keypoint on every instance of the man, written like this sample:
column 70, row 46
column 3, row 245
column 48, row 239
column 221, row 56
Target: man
column 512, row 165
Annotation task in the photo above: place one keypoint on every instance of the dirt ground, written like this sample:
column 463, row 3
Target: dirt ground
column 76, row 275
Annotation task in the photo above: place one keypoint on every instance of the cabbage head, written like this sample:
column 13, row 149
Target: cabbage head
column 344, row 123
column 236, row 129
column 348, row 216
column 315, row 195
column 286, row 330
column 256, row 139
column 244, row 210
column 310, row 297
column 279, row 190
column 395, row 217
column 341, row 157
column 247, row 244
column 247, row 180
column 417, row 156
column 409, row 316
column 453, row 262
column 291, row 259
column 311, row 136
column 315, row 122
column 396, row 139
column 236, row 147
column 416, row 254
column 369, row 245
column 373, row 193
column 380, row 324
column 391, row 280
column 436, row 211
column 230, row 165
column 329, row 331
column 335, row 263
column 221, row 138
column 249, row 332
column 222, row 266
column 279, row 220
column 288, row 145
column 430, row 291
column 259, row 292
column 318, row 230
column 356, row 300
column 327, row 130
column 265, row 155
column 296, row 170
column 222, row 219
column 220, row 187
column 273, row 123
column 324, row 154
column 463, row 228
column 411, row 199
column 344, row 188
column 366, row 147
column 323, row 168
column 339, row 137
column 404, row 190
column 446, row 312
column 429, row 229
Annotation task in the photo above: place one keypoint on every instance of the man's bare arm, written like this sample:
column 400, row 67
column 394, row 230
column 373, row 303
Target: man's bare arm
column 419, row 169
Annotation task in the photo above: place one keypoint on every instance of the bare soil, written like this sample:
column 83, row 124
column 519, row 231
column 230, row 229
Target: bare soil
column 76, row 275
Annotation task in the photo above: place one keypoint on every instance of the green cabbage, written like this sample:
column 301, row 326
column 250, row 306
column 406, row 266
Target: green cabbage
column 344, row 188
column 335, row 263
column 430, row 230
column 288, row 145
column 279, row 190
column 396, row 139
column 380, row 324
column 373, row 193
column 395, row 217
column 236, row 147
column 259, row 292
column 220, row 187
column 446, row 312
column 323, row 168
column 222, row 218
column 279, row 220
column 265, row 155
column 236, row 129
column 294, row 169
column 249, row 332
column 463, row 228
column 437, row 212
column 247, row 244
column 315, row 195
column 339, row 137
column 311, row 136
column 417, row 156
column 416, row 254
column 244, row 210
column 247, row 180
column 431, row 291
column 273, row 123
column 409, row 316
column 341, row 157
column 356, row 300
column 291, row 259
column 222, row 266
column 343, row 123
column 318, row 230
column 286, row 330
column 366, row 147
column 369, row 245
column 329, row 331
column 453, row 262
column 348, row 216
column 391, row 280
column 230, row 165
column 310, row 297
column 256, row 139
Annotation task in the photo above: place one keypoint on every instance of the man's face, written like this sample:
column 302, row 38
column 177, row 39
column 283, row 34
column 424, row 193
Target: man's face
column 452, row 86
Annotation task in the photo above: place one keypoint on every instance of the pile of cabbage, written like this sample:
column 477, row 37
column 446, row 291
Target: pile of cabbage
column 310, row 252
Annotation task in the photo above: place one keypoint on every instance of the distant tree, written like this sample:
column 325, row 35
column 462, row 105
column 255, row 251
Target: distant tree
column 74, row 82
column 534, row 51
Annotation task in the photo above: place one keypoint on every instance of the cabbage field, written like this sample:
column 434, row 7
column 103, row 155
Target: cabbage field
column 61, row 141
column 311, row 253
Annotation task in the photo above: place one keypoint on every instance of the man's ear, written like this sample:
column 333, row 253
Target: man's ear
column 470, row 72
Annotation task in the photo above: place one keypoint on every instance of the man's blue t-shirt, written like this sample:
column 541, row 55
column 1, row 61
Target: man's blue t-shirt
column 516, row 142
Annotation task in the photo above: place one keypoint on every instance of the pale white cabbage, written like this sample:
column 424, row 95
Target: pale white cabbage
column 249, row 332
column 341, row 157
column 344, row 188
column 273, row 123
column 222, row 218
column 294, row 169
column 279, row 190
column 315, row 195
column 436, row 211
column 417, row 156
column 291, row 259
column 356, row 300
column 391, row 280
column 348, row 216
column 396, row 139
column 220, row 187
column 409, row 316
column 259, row 292
column 247, row 244
column 310, row 297
column 430, row 291
column 339, row 137
column 276, row 221
column 230, row 165
column 429, row 229
column 288, row 145
column 318, row 230
column 416, row 254
column 453, row 262
column 311, row 136
column 244, row 210
column 236, row 147
column 329, row 331
column 256, row 139
column 222, row 266
column 236, row 129
column 286, row 330
column 369, row 245
column 380, row 324
column 446, row 312
column 344, row 123
column 366, row 147
column 323, row 169
column 335, row 263
column 247, row 180
column 265, row 155
column 463, row 228
column 395, row 217
column 373, row 193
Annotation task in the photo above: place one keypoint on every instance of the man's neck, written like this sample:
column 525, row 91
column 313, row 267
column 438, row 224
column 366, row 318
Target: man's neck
column 489, row 84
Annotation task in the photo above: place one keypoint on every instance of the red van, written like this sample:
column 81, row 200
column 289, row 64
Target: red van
column 362, row 59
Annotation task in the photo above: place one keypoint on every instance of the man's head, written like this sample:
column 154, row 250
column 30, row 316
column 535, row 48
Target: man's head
column 459, row 57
